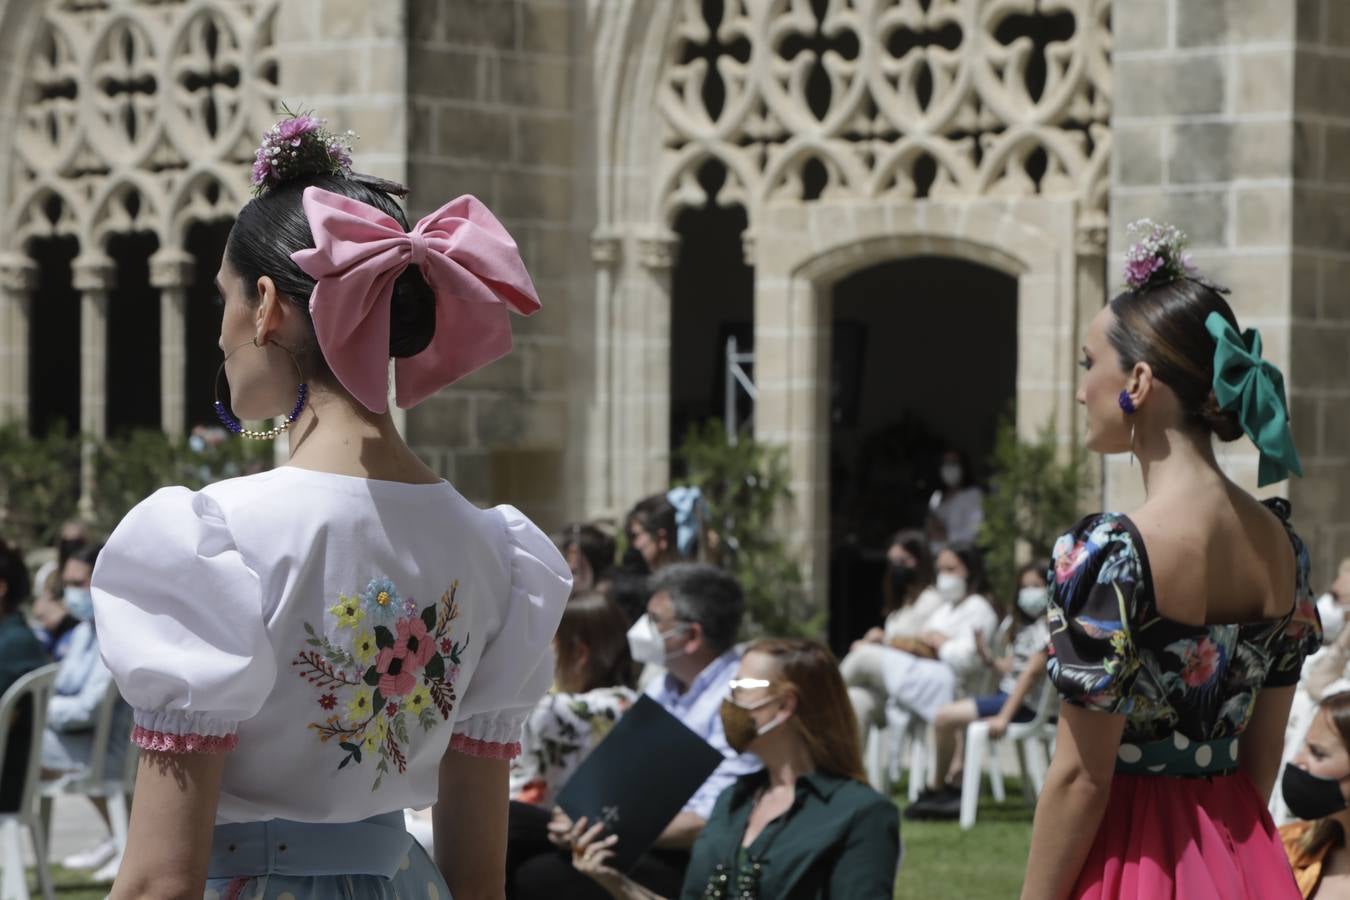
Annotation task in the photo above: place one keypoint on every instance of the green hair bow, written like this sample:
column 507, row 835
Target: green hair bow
column 1254, row 388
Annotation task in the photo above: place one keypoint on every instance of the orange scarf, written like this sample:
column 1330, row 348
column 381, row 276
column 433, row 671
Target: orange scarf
column 1307, row 866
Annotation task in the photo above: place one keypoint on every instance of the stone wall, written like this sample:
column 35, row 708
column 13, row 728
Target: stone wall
column 1320, row 278
column 490, row 95
column 1226, row 120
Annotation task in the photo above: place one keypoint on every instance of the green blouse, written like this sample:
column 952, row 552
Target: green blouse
column 840, row 839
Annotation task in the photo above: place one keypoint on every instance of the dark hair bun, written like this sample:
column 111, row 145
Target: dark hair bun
column 412, row 315
column 1224, row 423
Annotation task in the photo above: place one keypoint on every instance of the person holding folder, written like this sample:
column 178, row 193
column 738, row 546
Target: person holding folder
column 807, row 825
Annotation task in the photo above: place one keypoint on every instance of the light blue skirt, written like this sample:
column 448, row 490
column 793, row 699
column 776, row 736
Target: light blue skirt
column 375, row 859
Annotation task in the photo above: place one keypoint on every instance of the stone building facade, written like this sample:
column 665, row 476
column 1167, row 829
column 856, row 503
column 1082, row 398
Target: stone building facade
column 1011, row 136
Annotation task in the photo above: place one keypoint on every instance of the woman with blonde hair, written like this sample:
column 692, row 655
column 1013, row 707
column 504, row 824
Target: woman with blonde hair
column 807, row 825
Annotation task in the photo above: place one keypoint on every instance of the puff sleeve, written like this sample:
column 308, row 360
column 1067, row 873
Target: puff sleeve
column 1301, row 635
column 1097, row 584
column 516, row 667
column 180, row 624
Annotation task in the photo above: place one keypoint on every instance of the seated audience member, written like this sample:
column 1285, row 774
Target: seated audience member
column 1316, row 787
column 1322, row 671
column 589, row 553
column 1021, row 672
column 593, row 687
column 55, row 626
column 593, row 680
column 807, row 825
column 690, row 627
column 81, row 684
column 909, row 597
column 925, row 673
column 652, row 528
column 20, row 653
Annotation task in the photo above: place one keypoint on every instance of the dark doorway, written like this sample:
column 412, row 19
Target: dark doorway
column 712, row 299
column 925, row 358
column 54, row 339
column 133, row 374
column 206, row 245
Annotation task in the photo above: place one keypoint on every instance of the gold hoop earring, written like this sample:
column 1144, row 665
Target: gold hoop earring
column 231, row 421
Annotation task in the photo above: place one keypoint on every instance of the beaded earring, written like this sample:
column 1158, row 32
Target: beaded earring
column 231, row 421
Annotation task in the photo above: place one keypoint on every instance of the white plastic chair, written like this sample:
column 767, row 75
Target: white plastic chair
column 37, row 685
column 95, row 781
column 904, row 735
column 1032, row 742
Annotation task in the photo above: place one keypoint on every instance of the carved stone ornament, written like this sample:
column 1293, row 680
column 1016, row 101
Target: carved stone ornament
column 887, row 99
column 140, row 116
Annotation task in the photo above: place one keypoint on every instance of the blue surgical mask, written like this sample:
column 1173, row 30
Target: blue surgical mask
column 79, row 603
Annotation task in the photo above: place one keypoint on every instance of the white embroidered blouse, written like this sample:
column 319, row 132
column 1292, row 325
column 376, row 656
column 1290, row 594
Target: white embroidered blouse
column 334, row 633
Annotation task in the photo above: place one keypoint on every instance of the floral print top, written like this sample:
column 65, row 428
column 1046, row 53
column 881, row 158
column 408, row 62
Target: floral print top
column 1113, row 651
column 559, row 734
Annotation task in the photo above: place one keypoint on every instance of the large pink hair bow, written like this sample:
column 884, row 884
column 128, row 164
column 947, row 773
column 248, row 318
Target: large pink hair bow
column 466, row 256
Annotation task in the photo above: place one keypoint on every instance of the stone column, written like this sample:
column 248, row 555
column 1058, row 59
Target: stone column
column 95, row 275
column 18, row 280
column 603, row 439
column 645, row 370
column 171, row 272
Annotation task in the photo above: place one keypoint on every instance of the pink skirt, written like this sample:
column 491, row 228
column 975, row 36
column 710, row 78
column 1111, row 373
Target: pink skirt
column 1186, row 838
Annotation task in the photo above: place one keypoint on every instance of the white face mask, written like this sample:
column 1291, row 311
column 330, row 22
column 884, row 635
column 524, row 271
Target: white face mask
column 1033, row 600
column 79, row 603
column 648, row 645
column 951, row 474
column 951, row 587
column 1333, row 617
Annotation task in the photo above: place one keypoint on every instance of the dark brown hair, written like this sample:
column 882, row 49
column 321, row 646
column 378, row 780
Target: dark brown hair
column 273, row 226
column 654, row 515
column 592, row 620
column 597, row 547
column 1164, row 326
column 1336, row 708
column 14, row 574
column 915, row 543
column 824, row 718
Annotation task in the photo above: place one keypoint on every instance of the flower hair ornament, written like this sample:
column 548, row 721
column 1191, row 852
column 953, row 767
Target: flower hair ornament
column 1157, row 255
column 297, row 146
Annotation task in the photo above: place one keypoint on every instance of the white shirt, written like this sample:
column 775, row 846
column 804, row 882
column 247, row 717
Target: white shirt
column 335, row 633
column 960, row 512
column 959, row 622
column 912, row 620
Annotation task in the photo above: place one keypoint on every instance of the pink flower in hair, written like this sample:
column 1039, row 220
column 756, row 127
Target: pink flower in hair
column 1157, row 255
column 297, row 147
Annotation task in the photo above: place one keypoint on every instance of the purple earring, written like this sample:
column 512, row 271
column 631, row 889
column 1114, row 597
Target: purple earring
column 1126, row 403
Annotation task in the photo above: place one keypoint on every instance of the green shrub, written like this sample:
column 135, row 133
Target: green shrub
column 745, row 487
column 1035, row 495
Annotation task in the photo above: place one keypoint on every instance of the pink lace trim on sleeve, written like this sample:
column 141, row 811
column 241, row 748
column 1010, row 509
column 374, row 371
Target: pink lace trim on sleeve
column 485, row 749
column 183, row 743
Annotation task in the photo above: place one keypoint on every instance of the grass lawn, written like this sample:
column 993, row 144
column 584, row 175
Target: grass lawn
column 941, row 862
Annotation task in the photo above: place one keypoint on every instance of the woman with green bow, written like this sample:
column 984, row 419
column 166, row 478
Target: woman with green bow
column 1177, row 631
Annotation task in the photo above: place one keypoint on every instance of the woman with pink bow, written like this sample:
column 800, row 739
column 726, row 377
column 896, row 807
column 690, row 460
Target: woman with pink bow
column 313, row 649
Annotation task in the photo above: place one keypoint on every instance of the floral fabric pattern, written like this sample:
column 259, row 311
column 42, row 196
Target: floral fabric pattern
column 385, row 668
column 561, row 732
column 1112, row 650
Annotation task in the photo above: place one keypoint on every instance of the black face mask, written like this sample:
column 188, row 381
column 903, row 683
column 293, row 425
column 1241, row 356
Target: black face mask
column 1309, row 797
column 902, row 578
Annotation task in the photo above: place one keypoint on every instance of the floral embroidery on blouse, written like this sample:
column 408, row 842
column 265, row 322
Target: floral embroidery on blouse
column 1112, row 650
column 388, row 668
